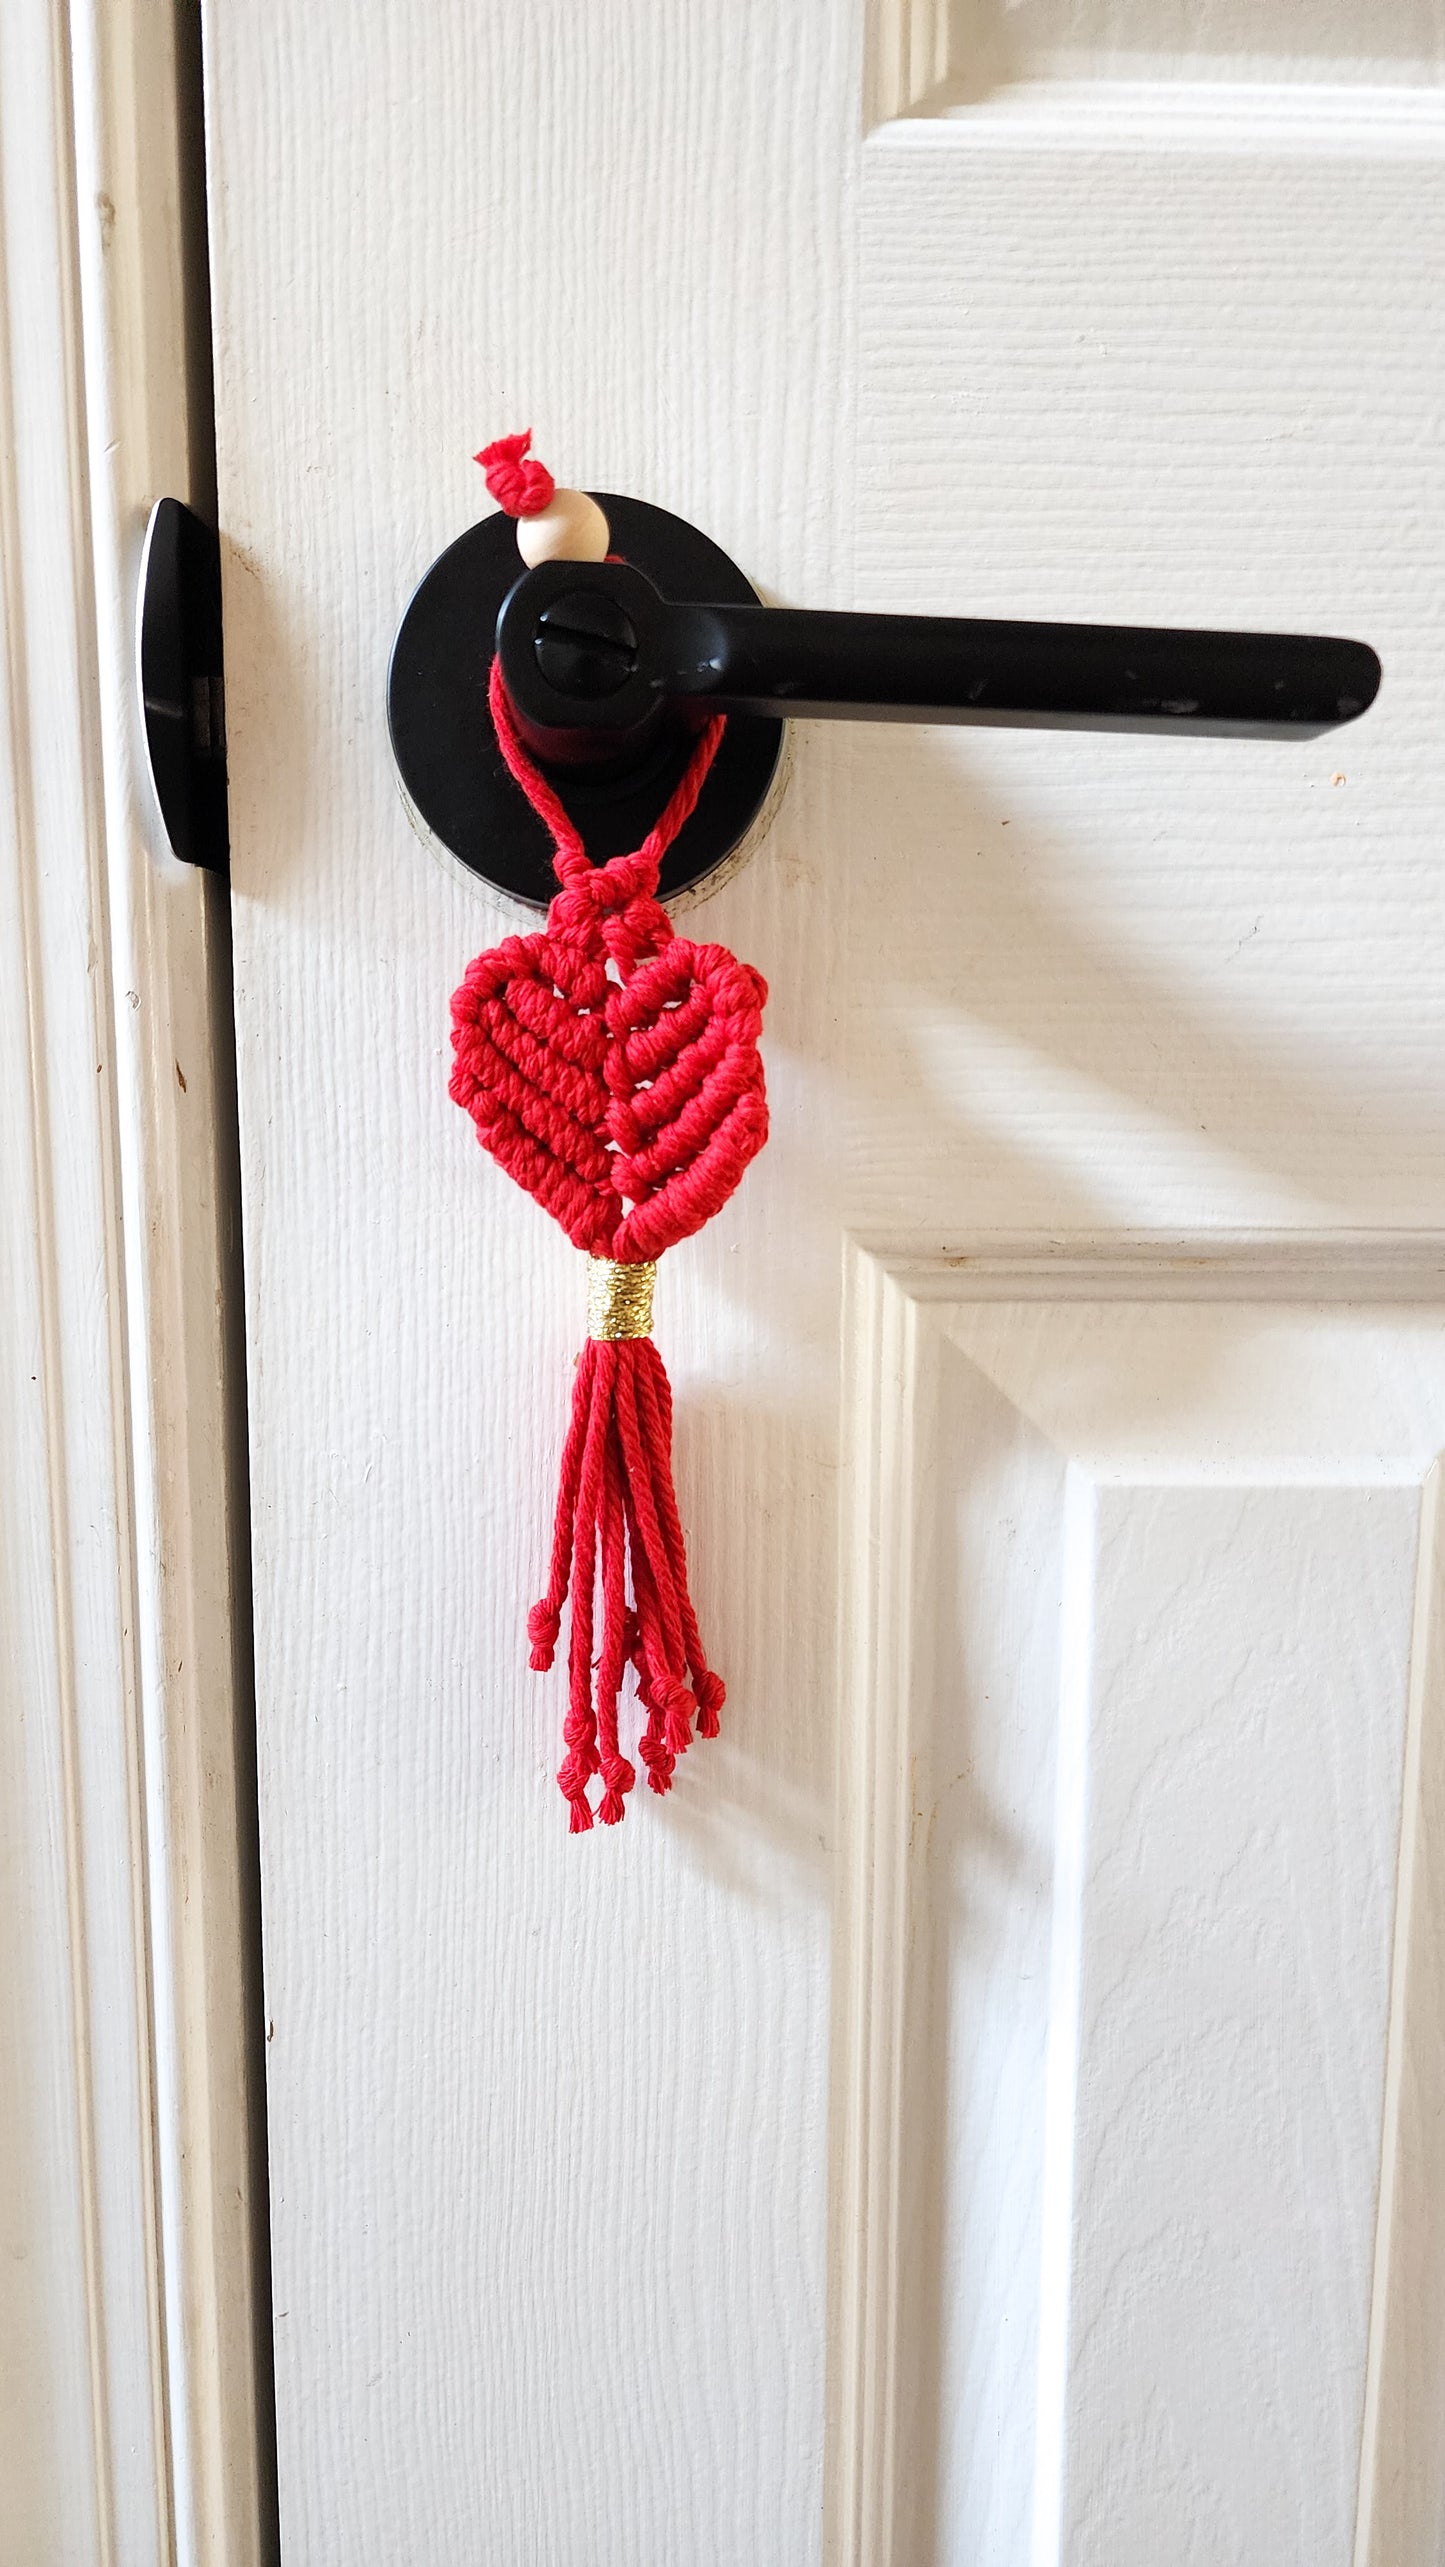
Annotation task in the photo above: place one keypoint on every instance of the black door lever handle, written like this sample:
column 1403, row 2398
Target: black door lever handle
column 613, row 666
column 597, row 662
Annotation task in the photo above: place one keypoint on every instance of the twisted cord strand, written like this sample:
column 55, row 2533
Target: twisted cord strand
column 618, row 1776
column 654, row 1400
column 604, row 895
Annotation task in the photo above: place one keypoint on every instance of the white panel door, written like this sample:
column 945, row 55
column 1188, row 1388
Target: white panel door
column 989, row 2112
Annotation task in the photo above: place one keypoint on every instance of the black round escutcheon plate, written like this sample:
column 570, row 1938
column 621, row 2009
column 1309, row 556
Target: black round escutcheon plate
column 446, row 750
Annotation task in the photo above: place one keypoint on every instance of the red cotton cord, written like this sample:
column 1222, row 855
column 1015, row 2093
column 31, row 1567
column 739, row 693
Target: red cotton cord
column 521, row 486
column 612, row 1068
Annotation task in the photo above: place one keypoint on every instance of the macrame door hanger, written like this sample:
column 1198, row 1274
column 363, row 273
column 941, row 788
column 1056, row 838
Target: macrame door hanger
column 612, row 1068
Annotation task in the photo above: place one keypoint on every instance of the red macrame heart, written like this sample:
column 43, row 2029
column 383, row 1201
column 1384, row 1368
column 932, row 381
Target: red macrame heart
column 597, row 1095
column 612, row 1068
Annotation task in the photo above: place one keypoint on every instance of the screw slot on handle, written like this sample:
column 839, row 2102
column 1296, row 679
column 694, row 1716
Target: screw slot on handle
column 585, row 644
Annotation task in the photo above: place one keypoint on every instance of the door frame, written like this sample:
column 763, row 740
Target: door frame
column 130, row 1851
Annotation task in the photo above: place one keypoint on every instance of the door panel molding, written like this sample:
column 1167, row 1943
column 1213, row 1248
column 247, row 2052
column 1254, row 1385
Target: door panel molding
column 1282, row 1400
column 977, row 61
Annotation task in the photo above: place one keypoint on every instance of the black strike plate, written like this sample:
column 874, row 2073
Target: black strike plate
column 452, row 775
column 180, row 674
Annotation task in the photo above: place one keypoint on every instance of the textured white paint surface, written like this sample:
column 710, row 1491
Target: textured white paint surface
column 1244, row 1729
column 550, row 2123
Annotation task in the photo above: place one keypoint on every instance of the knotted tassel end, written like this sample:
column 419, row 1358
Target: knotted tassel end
column 543, row 1626
column 618, row 1554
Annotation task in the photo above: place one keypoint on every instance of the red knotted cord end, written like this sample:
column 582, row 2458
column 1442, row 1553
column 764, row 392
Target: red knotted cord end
column 518, row 482
column 543, row 1626
column 675, row 1704
column 656, row 1758
column 711, row 1695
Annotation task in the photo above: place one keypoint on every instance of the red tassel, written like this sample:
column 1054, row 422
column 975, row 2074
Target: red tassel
column 617, row 1511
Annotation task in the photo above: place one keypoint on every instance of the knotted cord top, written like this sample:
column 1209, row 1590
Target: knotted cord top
column 617, row 899
column 518, row 482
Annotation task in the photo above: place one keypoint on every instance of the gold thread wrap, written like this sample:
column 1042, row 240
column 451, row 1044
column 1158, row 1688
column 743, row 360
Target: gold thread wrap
column 619, row 1298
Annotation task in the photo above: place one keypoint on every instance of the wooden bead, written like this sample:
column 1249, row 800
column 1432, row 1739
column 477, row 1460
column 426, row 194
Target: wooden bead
column 571, row 528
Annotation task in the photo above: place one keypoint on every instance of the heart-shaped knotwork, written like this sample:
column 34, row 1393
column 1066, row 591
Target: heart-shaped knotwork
column 628, row 1108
